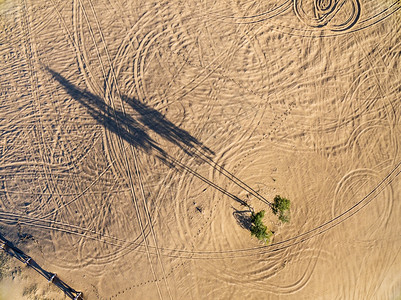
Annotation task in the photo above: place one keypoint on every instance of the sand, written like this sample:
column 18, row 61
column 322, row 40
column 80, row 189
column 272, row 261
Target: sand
column 132, row 133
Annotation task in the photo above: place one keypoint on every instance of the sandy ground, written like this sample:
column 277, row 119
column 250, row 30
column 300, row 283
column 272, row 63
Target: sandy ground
column 131, row 132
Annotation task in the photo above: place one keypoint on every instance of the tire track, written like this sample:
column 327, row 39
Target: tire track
column 322, row 32
column 149, row 220
column 148, row 59
column 325, row 12
column 137, row 76
column 88, row 79
column 278, row 246
column 200, row 154
column 133, row 151
column 257, row 17
column 130, row 176
column 32, row 61
column 392, row 114
column 72, row 163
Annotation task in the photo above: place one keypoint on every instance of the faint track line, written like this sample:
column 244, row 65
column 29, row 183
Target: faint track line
column 31, row 59
column 324, row 33
column 149, row 220
column 300, row 238
column 133, row 194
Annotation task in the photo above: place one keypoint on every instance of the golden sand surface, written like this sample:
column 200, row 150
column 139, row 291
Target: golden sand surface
column 133, row 132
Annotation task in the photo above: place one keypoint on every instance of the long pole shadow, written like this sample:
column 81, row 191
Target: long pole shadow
column 135, row 131
column 17, row 253
column 159, row 124
column 113, row 120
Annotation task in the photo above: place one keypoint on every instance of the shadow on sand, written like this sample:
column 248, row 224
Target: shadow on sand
column 244, row 218
column 134, row 130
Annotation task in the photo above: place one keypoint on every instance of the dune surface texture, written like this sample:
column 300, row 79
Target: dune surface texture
column 137, row 136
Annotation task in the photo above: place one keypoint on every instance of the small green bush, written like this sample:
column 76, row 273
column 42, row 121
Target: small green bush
column 281, row 207
column 258, row 229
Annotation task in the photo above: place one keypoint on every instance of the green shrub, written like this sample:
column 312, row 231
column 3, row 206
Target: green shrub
column 281, row 207
column 258, row 229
